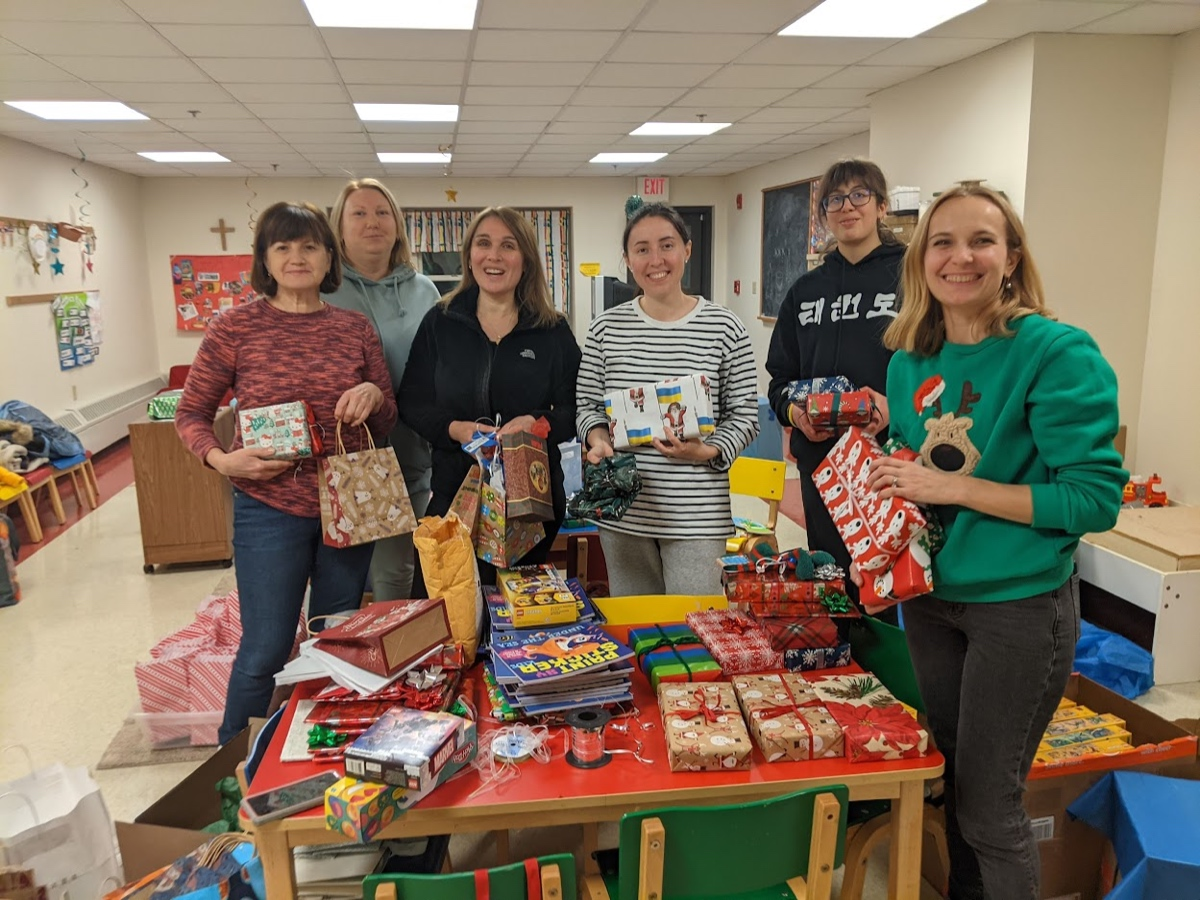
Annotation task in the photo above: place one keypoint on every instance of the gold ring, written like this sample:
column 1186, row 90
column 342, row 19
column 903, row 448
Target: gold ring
column 895, row 481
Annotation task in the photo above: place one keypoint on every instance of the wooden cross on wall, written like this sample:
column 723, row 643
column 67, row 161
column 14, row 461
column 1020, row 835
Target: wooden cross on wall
column 222, row 231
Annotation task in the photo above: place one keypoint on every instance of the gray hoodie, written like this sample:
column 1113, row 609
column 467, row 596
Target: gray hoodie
column 395, row 305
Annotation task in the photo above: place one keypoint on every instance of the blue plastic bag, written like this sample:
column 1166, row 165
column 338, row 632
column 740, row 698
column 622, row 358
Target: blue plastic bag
column 1113, row 661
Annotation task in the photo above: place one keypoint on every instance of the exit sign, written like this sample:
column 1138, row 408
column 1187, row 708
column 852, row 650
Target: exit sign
column 654, row 188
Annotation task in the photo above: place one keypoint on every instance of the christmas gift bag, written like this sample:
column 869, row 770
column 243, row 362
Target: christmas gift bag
column 876, row 725
column 465, row 504
column 500, row 540
column 527, row 474
column 363, row 495
column 787, row 719
column 288, row 429
column 703, row 727
column 736, row 642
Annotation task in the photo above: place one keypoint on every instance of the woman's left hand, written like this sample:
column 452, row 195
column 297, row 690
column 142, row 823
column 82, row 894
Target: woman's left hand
column 520, row 423
column 690, row 450
column 893, row 477
column 356, row 404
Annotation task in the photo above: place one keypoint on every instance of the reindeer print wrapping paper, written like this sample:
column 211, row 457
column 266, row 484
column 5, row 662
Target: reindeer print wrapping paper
column 363, row 498
column 703, row 727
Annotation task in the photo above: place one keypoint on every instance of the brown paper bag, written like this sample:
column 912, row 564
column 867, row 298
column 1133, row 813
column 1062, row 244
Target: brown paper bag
column 363, row 496
column 465, row 504
column 448, row 564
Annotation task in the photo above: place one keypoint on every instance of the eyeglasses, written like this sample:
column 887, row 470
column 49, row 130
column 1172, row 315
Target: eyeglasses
column 834, row 202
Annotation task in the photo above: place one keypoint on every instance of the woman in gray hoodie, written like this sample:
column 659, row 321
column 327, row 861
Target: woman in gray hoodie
column 379, row 281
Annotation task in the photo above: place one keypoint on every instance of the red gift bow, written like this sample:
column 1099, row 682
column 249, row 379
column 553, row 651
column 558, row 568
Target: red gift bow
column 709, row 713
column 777, row 711
column 738, row 626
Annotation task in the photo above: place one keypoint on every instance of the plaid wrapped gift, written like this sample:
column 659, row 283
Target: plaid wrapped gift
column 672, row 653
column 736, row 642
column 703, row 727
column 799, row 391
column 787, row 719
column 817, row 658
column 288, row 429
column 803, row 633
column 834, row 409
column 876, row 725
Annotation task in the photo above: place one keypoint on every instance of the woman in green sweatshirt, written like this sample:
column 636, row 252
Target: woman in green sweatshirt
column 379, row 281
column 1013, row 416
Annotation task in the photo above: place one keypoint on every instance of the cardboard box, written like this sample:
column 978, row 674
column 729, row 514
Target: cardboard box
column 170, row 828
column 1071, row 851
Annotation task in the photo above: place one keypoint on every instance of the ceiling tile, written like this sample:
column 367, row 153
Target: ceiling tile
column 117, row 68
column 278, row 154
column 620, row 96
column 411, row 93
column 763, row 17
column 73, row 89
column 1148, row 18
column 239, row 71
column 302, row 137
column 114, row 131
column 650, row 74
column 587, row 139
column 843, row 97
column 749, row 98
column 872, row 77
column 682, row 48
column 548, row 46
column 151, row 92
column 278, row 93
column 482, row 142
column 518, row 96
column 775, row 114
column 303, row 111
column 27, row 67
column 681, row 113
column 862, row 114
column 628, row 144
column 611, row 15
column 836, row 128
column 814, row 51
column 206, row 111
column 242, row 139
column 396, row 143
column 245, row 40
column 201, row 125
column 501, row 126
column 442, row 130
column 8, row 47
column 498, row 74
column 220, row 12
column 920, row 51
column 87, row 39
column 155, row 142
column 591, row 126
column 67, row 11
column 388, row 43
column 758, row 130
column 387, row 71
column 740, row 76
column 541, row 114
column 318, row 126
column 1005, row 21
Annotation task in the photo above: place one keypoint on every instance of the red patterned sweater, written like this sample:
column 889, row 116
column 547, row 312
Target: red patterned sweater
column 269, row 356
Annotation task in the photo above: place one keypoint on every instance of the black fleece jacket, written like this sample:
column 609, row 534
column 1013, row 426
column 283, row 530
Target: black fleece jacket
column 831, row 323
column 455, row 372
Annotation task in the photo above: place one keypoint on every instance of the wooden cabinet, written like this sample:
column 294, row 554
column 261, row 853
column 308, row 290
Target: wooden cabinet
column 185, row 508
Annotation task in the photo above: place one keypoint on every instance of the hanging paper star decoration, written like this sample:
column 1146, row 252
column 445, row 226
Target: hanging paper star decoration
column 452, row 195
column 57, row 266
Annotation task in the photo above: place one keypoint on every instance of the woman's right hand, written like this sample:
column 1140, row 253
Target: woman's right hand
column 461, row 431
column 254, row 463
column 798, row 416
column 599, row 445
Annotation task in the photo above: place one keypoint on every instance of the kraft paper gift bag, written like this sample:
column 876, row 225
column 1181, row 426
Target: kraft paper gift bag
column 363, row 496
column 500, row 540
column 448, row 564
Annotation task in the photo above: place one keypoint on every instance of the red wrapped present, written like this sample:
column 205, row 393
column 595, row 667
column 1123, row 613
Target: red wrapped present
column 775, row 594
column 787, row 719
column 875, row 531
column 911, row 575
column 876, row 725
column 805, row 633
column 836, row 410
column 736, row 642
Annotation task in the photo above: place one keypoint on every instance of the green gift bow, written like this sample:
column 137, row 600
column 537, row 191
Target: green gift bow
column 324, row 736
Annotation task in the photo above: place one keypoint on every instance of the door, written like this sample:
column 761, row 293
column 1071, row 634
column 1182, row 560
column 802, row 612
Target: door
column 697, row 274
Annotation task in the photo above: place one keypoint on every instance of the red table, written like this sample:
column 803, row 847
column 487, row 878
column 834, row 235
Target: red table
column 560, row 794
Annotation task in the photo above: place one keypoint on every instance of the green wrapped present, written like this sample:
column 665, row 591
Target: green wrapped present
column 163, row 406
column 609, row 489
column 672, row 653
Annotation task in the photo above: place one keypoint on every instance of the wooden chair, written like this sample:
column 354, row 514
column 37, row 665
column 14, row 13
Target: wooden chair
column 42, row 478
column 762, row 478
column 546, row 877
column 83, row 473
column 779, row 847
column 24, row 500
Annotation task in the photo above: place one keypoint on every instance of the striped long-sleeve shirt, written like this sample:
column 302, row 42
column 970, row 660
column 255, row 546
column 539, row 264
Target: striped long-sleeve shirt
column 625, row 348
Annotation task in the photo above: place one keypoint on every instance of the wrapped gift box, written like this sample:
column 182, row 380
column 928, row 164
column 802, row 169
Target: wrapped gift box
column 703, row 727
column 834, row 409
column 875, row 531
column 672, row 653
column 526, row 477
column 736, row 642
column 817, row 658
column 800, row 633
column 773, row 594
column 685, row 405
column 361, row 809
column 633, row 417
column 407, row 747
column 638, row 414
column 798, row 391
column 876, row 724
column 287, row 429
column 164, row 405
column 787, row 719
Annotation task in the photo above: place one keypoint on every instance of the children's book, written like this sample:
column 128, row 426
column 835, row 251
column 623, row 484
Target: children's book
column 500, row 615
column 565, row 702
column 555, row 653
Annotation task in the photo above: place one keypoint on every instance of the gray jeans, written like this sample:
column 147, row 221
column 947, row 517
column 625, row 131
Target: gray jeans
column 991, row 676
column 394, row 559
column 644, row 565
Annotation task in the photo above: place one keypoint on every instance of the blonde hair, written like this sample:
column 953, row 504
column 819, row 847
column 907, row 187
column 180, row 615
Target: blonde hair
column 532, row 293
column 401, row 253
column 920, row 327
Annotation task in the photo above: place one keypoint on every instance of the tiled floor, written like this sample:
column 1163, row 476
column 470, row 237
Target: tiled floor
column 90, row 613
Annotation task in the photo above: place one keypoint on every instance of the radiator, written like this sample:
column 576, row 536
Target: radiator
column 101, row 423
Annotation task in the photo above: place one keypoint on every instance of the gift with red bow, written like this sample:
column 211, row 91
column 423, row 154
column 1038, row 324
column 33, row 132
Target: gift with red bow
column 703, row 727
column 876, row 725
column 736, row 641
column 836, row 409
column 787, row 718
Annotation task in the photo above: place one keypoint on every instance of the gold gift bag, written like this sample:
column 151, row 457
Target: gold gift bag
column 363, row 496
column 448, row 566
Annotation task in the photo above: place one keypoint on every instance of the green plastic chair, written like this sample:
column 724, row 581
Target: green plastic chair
column 553, row 879
column 882, row 649
column 776, row 848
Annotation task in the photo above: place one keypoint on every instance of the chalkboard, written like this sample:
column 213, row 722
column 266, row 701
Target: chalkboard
column 786, row 234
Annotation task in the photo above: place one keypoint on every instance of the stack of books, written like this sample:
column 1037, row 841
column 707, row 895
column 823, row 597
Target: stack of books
column 500, row 613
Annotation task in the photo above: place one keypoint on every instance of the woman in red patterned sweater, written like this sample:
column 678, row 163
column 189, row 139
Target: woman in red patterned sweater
column 285, row 346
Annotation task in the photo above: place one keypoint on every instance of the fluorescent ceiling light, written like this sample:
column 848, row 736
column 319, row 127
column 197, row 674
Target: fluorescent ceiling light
column 183, row 156
column 443, row 14
column 78, row 110
column 407, row 112
column 877, row 18
column 627, row 157
column 678, row 128
column 440, row 158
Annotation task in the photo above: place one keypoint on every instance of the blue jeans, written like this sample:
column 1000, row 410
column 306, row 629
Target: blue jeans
column 277, row 555
column 991, row 676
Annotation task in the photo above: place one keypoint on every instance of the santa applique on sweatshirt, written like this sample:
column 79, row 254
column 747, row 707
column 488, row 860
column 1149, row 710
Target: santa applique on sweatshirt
column 947, row 446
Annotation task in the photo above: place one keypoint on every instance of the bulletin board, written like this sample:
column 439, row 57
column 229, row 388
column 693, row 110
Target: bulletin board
column 206, row 286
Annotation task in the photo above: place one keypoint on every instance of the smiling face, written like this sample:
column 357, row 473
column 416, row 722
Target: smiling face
column 298, row 265
column 496, row 260
column 854, row 225
column 368, row 226
column 967, row 259
column 657, row 254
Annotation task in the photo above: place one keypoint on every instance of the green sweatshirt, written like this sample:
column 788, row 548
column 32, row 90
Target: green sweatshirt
column 1037, row 408
column 395, row 304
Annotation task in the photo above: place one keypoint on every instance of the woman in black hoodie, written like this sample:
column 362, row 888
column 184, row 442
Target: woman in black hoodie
column 832, row 322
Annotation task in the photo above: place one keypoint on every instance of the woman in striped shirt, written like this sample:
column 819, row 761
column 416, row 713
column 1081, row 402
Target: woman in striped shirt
column 672, row 536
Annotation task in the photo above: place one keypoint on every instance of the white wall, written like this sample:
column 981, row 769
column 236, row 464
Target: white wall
column 966, row 120
column 38, row 184
column 1097, row 129
column 743, row 240
column 1169, row 428
column 183, row 209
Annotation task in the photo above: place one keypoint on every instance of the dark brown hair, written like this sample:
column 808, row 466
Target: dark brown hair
column 286, row 221
column 660, row 211
column 867, row 173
